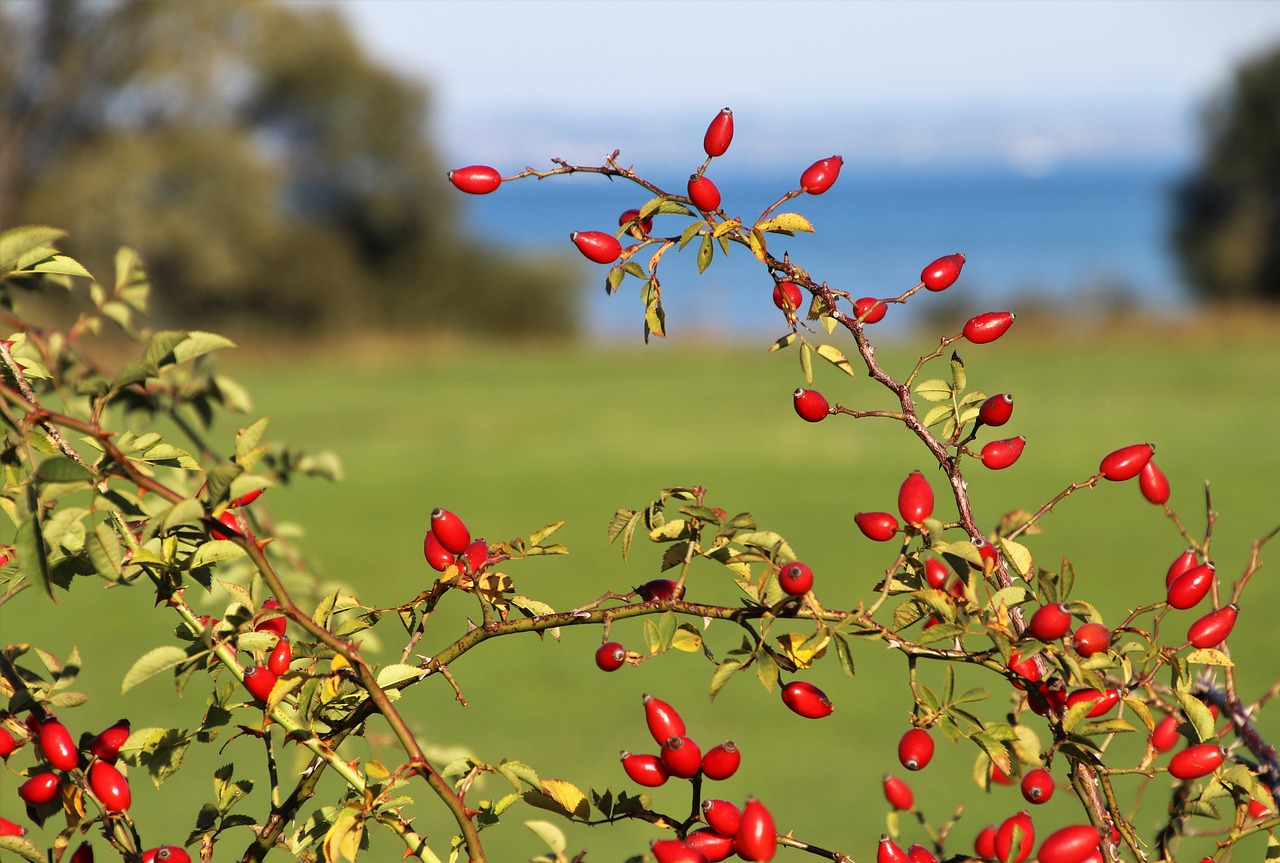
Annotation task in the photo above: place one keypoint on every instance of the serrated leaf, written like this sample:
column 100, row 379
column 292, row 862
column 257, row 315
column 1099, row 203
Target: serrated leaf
column 937, row 414
column 61, row 265
column 1017, row 554
column 786, row 222
column 677, row 528
column 215, row 550
column 687, row 639
column 691, row 231
column 62, row 469
column 567, row 795
column 959, row 379
column 933, row 390
column 941, row 632
column 1115, row 725
column 724, row 673
column 33, row 560
column 151, row 663
column 706, row 251
column 1199, row 715
column 844, row 654
column 836, row 357
column 20, row 241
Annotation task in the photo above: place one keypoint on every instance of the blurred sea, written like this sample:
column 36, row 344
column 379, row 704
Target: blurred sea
column 1083, row 238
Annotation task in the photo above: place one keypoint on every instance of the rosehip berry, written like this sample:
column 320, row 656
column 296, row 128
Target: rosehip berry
column 721, row 762
column 869, row 310
column 450, row 530
column 936, row 572
column 281, row 657
column 1048, row 696
column 821, row 175
column 438, row 557
column 1258, row 809
column 1000, row 454
column 1091, row 638
column 984, row 844
column 7, row 743
column 1196, row 761
column 109, row 786
column 40, row 789
column 721, row 816
column 259, row 681
column 660, row 589
column 1126, row 462
column 811, row 405
column 107, row 744
column 83, row 854
column 986, row 551
column 1213, row 629
column 1102, row 701
column 879, row 526
column 58, row 747
column 1027, row 669
column 1192, row 586
column 719, row 133
column 1072, row 844
column 1051, row 622
column 898, row 793
column 166, row 854
column 915, row 499
column 1165, row 735
column 682, row 757
column 597, row 246
column 942, row 273
column 231, row 526
column 703, row 193
column 476, row 179
column 714, row 845
column 795, row 578
column 987, row 327
column 915, row 749
column 1184, row 562
column 8, row 828
column 675, row 851
column 646, row 770
column 268, row 622
column 639, row 227
column 475, row 556
column 248, row 497
column 1037, row 786
column 889, row 851
column 806, row 699
column 1154, row 484
column 920, row 854
column 996, row 410
column 611, row 656
column 757, row 838
column 787, row 296
column 1015, row 838
column 663, row 720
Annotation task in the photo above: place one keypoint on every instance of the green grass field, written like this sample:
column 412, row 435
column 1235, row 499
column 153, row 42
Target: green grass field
column 512, row 437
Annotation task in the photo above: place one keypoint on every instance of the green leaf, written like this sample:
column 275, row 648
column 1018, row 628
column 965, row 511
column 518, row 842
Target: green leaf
column 550, row 834
column 215, row 550
column 16, row 243
column 959, row 379
column 390, row 675
column 62, row 469
column 153, row 662
column 33, row 560
column 836, row 357
column 706, row 251
column 937, row 414
column 806, row 362
column 786, row 222
column 1201, row 718
column 1017, row 554
column 61, row 265
column 690, row 232
column 159, row 351
column 933, row 390
column 724, row 673
column 198, row 343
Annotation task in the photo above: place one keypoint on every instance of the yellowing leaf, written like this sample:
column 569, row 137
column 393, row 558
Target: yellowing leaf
column 686, row 639
column 836, row 357
column 786, row 222
column 1208, row 656
column 567, row 795
column 793, row 645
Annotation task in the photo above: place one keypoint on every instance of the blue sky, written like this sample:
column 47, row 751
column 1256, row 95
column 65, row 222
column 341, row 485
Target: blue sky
column 913, row 81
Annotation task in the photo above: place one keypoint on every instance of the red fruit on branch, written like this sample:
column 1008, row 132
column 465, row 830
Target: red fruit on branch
column 40, row 789
column 942, row 273
column 821, row 175
column 1192, row 586
column 476, row 179
column 984, row 844
column 1154, row 484
column 996, row 410
column 1165, row 735
column 915, row 499
column 713, row 845
column 1213, row 629
column 7, row 743
column 107, row 744
column 719, row 133
column 757, row 838
column 281, row 657
column 640, row 228
column 1072, row 844
column 721, row 762
column 675, row 851
column 58, row 747
column 869, row 310
column 987, row 327
column 811, row 405
column 936, row 572
column 721, row 816
column 787, row 296
column 879, row 526
column 83, row 854
column 166, row 854
column 920, row 854
column 663, row 720
column 703, row 193
column 1051, row 622
column 438, row 557
column 610, row 656
column 8, row 828
column 806, row 699
column 1184, row 562
column 795, row 579
column 1091, row 638
column 1102, row 702
column 915, row 749
column 1000, row 454
column 1196, row 761
column 1037, row 786
column 271, row 622
column 1015, row 837
column 475, row 556
column 646, row 770
column 259, row 681
column 597, row 246
column 1027, row 669
column 659, row 589
column 681, row 756
column 1049, row 696
column 109, row 786
column 889, row 851
column 1126, row 462
column 898, row 793
column 248, row 497
column 450, row 530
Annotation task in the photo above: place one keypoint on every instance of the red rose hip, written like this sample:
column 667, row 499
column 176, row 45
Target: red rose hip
column 787, row 296
column 898, row 793
column 610, row 656
column 259, row 681
column 721, row 762
column 719, row 134
column 58, row 747
column 438, row 557
column 942, row 273
column 1072, row 844
column 597, row 246
column 703, row 193
column 1192, row 586
column 1126, row 462
column 476, row 179
column 1213, row 629
column 1037, row 786
column 869, row 310
column 1153, row 484
column 109, row 786
column 821, row 175
column 915, row 749
column 681, row 756
column 987, row 327
column 915, row 499
column 1051, row 622
column 996, row 410
column 806, row 699
column 810, row 405
column 721, row 816
column 795, row 579
column 40, row 789
column 878, row 526
column 1091, row 638
column 663, row 720
column 107, row 744
column 757, row 838
column 1196, row 761
column 450, row 530
column 646, row 770
column 1000, row 454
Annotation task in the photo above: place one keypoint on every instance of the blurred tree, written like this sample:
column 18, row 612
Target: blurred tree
column 1227, row 214
column 257, row 159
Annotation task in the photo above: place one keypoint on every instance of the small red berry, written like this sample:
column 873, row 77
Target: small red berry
column 987, row 551
column 610, row 656
column 936, row 572
column 107, row 744
column 806, row 699
column 721, row 762
column 879, row 526
column 1184, row 562
column 811, row 405
column 58, row 747
column 232, row 527
column 1213, row 629
column 1154, row 484
column 795, row 578
column 675, row 851
column 984, row 844
column 889, row 851
column 40, row 789
column 1050, row 695
column 8, row 828
column 898, row 793
column 663, row 720
column 920, row 854
column 1000, row 454
column 681, row 756
column 1126, row 462
column 712, row 844
column 915, row 499
column 1165, row 735
column 450, row 530
column 109, row 786
column 83, row 854
column 1027, row 669
column 1037, row 786
column 476, row 179
column 821, row 175
column 915, row 749
column 259, row 681
column 721, row 816
column 166, row 854
column 1025, row 838
column 869, row 310
column 639, row 229
column 1196, row 761
column 7, row 743
column 1091, row 638
column 719, row 133
column 281, row 657
column 1192, row 586
column 942, row 273
column 1072, row 844
column 475, row 556
column 660, row 589
column 703, row 193
column 757, row 838
column 996, row 410
column 271, row 622
column 248, row 497
column 646, row 770
column 438, row 557
column 597, row 246
column 1051, row 622
column 1102, row 702
column 987, row 327
column 787, row 296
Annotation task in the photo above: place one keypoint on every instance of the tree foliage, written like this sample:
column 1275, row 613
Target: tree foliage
column 1227, row 213
column 258, row 158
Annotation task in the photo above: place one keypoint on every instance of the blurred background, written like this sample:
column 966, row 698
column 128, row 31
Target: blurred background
column 1111, row 170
